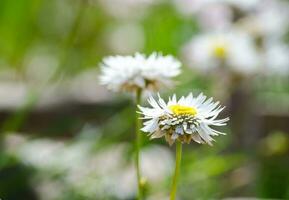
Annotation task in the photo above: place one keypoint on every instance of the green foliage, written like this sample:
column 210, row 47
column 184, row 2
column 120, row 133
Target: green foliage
column 75, row 33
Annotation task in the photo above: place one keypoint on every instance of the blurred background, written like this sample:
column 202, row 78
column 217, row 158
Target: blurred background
column 65, row 137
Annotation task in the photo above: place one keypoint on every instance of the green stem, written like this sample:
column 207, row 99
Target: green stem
column 177, row 170
column 138, row 145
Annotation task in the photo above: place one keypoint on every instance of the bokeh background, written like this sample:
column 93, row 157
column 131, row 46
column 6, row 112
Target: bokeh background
column 65, row 137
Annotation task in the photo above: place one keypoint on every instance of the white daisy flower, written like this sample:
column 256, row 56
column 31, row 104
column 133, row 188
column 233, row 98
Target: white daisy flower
column 233, row 49
column 187, row 119
column 129, row 73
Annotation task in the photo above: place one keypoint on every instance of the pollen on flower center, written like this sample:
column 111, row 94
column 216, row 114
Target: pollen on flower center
column 183, row 110
column 220, row 51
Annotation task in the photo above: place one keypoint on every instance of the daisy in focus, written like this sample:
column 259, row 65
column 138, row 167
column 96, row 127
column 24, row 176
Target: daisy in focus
column 138, row 72
column 186, row 119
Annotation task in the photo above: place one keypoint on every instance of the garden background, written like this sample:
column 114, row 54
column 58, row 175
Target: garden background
column 66, row 137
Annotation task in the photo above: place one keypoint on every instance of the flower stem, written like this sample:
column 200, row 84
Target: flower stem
column 138, row 141
column 177, row 170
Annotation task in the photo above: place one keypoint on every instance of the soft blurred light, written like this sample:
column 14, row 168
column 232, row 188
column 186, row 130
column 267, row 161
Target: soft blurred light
column 157, row 163
column 41, row 64
column 125, row 38
column 276, row 143
column 127, row 9
column 277, row 58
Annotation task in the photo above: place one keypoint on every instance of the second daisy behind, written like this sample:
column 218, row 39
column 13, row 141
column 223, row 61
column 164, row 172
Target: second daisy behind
column 186, row 119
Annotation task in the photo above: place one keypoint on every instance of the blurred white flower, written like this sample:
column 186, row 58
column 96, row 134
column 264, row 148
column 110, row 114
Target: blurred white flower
column 129, row 73
column 214, row 14
column 85, row 170
column 187, row 119
column 90, row 176
column 276, row 58
column 270, row 19
column 40, row 153
column 49, row 155
column 209, row 13
column 232, row 49
column 273, row 17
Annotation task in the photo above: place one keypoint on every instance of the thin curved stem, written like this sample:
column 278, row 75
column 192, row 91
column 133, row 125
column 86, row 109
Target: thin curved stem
column 177, row 170
column 138, row 141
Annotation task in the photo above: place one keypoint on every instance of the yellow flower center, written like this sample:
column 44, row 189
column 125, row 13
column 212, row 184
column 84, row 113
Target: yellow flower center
column 220, row 51
column 183, row 110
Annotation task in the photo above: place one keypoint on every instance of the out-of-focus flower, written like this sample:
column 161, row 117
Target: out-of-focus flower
column 42, row 153
column 269, row 20
column 82, row 169
column 187, row 119
column 276, row 58
column 90, row 176
column 129, row 73
column 210, row 14
column 233, row 49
